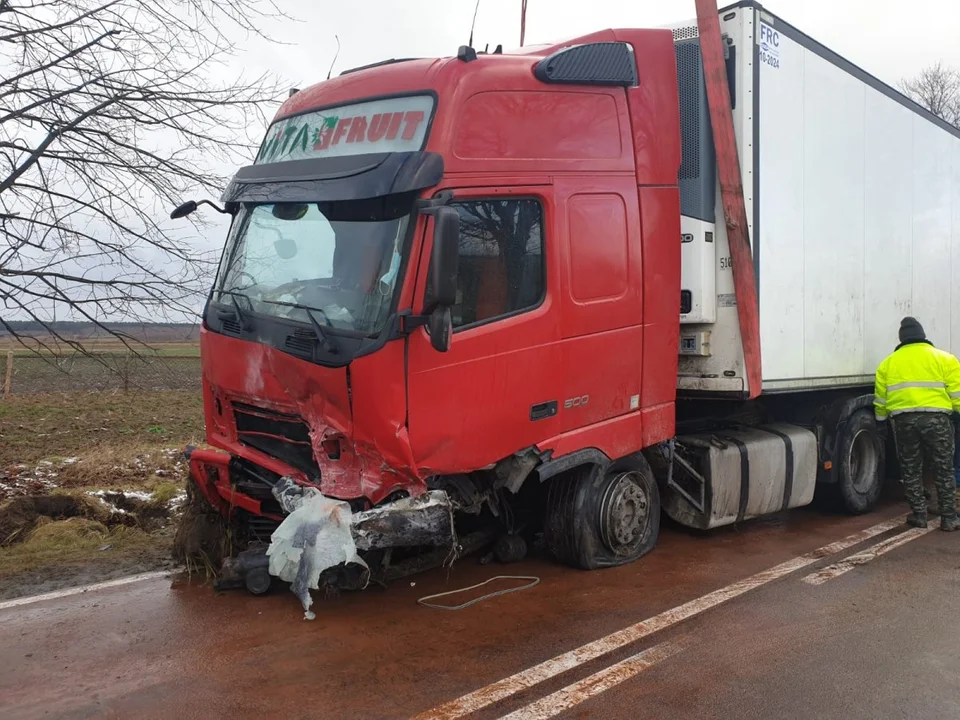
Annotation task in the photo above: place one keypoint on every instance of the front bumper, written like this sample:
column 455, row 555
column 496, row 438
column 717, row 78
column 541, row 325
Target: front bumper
column 210, row 471
column 230, row 483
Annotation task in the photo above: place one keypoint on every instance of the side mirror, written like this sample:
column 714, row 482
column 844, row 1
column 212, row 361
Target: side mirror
column 181, row 211
column 440, row 326
column 444, row 259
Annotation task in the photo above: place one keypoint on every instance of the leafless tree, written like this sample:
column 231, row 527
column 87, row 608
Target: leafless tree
column 937, row 88
column 111, row 112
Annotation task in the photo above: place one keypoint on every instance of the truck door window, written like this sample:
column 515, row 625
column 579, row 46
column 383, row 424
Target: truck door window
column 501, row 270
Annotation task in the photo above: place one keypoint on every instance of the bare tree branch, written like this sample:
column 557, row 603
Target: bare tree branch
column 936, row 88
column 111, row 111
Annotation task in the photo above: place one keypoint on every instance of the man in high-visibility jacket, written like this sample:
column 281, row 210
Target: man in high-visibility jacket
column 917, row 390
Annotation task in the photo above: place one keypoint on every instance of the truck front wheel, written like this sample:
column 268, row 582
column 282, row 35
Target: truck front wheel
column 860, row 463
column 598, row 518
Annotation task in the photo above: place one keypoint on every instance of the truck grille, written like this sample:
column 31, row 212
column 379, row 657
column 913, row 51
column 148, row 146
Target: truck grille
column 258, row 529
column 280, row 435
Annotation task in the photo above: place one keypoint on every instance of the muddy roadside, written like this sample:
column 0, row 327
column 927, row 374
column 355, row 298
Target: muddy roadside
column 92, row 485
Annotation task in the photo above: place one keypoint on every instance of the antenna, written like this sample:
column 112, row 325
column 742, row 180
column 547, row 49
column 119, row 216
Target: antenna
column 474, row 23
column 330, row 71
column 523, row 20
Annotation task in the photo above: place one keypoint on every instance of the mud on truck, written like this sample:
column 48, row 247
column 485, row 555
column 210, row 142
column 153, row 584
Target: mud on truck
column 492, row 297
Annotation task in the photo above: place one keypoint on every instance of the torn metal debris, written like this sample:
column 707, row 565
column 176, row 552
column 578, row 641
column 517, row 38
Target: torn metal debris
column 408, row 522
column 320, row 533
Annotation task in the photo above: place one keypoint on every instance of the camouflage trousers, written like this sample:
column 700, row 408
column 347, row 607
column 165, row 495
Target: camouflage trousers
column 926, row 441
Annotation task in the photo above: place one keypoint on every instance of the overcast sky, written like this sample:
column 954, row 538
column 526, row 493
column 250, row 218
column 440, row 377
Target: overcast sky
column 886, row 38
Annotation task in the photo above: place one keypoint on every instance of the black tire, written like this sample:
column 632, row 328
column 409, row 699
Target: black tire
column 596, row 519
column 861, row 463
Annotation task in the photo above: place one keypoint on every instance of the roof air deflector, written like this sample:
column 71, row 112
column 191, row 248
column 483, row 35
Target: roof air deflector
column 600, row 63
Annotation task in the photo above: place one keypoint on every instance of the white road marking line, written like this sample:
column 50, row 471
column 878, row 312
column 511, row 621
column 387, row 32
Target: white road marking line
column 479, row 699
column 67, row 592
column 861, row 558
column 578, row 692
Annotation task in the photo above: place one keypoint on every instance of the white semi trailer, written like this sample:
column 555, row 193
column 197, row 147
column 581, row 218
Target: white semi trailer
column 852, row 193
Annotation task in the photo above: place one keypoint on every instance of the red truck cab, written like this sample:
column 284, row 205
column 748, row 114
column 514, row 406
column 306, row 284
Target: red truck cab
column 457, row 276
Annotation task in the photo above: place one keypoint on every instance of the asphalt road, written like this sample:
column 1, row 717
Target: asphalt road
column 755, row 622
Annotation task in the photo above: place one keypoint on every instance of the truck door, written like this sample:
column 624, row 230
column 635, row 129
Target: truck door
column 497, row 390
column 600, row 299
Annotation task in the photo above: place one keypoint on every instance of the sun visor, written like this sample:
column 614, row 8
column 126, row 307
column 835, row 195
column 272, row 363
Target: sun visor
column 328, row 179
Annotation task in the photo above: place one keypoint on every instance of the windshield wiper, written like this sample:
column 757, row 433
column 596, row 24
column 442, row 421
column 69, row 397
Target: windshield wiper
column 245, row 323
column 332, row 347
column 326, row 340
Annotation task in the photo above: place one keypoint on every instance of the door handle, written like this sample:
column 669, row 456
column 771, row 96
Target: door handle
column 542, row 411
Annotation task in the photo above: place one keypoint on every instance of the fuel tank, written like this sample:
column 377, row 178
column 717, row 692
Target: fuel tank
column 733, row 475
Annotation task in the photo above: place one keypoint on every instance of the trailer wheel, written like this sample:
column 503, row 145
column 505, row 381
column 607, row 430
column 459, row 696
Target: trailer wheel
column 598, row 518
column 860, row 463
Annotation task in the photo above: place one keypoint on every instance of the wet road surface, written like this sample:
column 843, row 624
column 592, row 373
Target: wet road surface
column 736, row 623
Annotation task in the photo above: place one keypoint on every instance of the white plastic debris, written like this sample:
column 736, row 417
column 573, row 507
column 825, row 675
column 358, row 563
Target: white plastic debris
column 313, row 537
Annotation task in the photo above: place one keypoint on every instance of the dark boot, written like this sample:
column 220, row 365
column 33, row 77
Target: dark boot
column 918, row 520
column 949, row 523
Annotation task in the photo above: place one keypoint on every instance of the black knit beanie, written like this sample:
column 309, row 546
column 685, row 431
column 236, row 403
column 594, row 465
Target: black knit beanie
column 911, row 331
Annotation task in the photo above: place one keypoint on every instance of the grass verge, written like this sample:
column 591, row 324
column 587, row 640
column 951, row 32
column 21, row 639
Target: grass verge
column 91, row 484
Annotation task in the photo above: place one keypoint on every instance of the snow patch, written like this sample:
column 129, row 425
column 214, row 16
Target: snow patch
column 177, row 501
column 110, row 498
column 15, row 483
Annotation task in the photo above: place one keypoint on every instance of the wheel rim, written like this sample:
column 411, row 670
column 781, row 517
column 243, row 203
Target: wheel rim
column 624, row 513
column 862, row 461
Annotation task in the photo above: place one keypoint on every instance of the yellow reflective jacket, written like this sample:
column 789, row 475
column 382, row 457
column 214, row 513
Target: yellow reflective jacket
column 917, row 378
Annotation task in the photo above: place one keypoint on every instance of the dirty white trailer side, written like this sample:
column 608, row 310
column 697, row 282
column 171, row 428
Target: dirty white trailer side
column 852, row 193
column 853, row 196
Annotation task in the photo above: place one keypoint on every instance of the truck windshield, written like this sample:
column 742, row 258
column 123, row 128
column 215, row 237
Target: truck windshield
column 337, row 261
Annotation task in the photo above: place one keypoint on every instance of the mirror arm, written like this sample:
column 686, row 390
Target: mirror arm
column 214, row 206
column 410, row 322
column 430, row 206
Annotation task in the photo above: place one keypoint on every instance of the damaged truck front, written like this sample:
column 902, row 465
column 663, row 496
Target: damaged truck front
column 340, row 441
column 302, row 339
